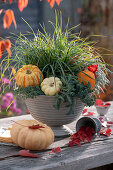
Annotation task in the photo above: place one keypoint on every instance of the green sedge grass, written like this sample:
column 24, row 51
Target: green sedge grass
column 53, row 54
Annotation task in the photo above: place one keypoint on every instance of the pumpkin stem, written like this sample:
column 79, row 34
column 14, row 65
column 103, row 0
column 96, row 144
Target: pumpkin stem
column 28, row 71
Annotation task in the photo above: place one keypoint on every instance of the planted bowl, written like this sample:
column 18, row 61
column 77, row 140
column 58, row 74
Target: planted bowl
column 42, row 108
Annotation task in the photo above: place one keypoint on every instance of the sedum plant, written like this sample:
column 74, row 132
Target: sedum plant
column 73, row 60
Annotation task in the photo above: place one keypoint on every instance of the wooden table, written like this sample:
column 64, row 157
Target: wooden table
column 91, row 155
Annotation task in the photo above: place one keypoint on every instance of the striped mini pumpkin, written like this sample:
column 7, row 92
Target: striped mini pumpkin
column 28, row 75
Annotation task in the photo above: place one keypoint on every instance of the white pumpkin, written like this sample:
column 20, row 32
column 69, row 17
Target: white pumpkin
column 51, row 86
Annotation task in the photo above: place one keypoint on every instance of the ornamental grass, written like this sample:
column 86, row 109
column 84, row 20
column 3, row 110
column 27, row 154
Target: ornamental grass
column 64, row 55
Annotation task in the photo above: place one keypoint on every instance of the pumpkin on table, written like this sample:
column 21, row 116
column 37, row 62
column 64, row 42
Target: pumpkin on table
column 51, row 86
column 28, row 75
column 31, row 138
column 87, row 76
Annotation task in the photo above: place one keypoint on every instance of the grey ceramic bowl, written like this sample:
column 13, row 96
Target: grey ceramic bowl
column 41, row 108
column 102, row 111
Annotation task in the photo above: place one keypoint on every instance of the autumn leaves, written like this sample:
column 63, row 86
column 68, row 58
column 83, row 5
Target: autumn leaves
column 52, row 2
column 21, row 3
column 8, row 19
column 5, row 44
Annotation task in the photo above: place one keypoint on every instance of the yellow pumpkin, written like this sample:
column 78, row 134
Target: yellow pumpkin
column 28, row 75
column 51, row 86
column 87, row 76
column 32, row 139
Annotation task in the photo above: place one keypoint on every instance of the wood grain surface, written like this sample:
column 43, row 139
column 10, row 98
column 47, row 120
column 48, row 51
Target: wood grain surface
column 91, row 155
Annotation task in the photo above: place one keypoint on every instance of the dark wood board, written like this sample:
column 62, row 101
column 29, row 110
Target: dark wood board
column 91, row 155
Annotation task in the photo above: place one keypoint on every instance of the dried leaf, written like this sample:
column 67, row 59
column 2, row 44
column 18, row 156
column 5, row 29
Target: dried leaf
column 89, row 130
column 56, row 150
column 71, row 144
column 105, row 132
column 22, row 4
column 84, row 134
column 8, row 18
column 51, row 2
column 5, row 44
column 36, row 126
column 111, row 123
column 77, row 142
column 58, row 2
column 84, row 111
column 104, row 105
column 26, row 153
column 105, row 123
column 99, row 102
column 89, row 114
column 108, row 132
column 2, row 48
column 31, row 127
column 101, row 119
column 8, row 46
column 107, row 104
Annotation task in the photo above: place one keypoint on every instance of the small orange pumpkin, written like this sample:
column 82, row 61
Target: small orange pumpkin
column 87, row 76
column 32, row 139
column 28, row 75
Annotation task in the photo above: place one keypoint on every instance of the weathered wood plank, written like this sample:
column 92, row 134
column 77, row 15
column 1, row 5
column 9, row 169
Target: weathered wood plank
column 85, row 157
column 97, row 153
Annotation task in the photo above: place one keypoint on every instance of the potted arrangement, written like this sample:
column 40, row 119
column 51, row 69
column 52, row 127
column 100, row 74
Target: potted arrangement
column 57, row 74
